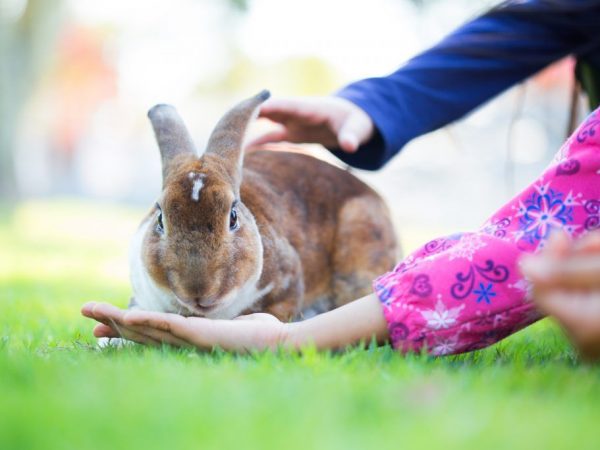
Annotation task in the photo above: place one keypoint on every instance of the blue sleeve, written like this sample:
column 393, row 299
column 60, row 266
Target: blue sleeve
column 470, row 66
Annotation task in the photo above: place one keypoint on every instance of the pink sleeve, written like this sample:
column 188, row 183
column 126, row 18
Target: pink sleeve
column 464, row 292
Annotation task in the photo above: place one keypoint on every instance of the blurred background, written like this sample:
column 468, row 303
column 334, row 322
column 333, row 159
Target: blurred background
column 77, row 77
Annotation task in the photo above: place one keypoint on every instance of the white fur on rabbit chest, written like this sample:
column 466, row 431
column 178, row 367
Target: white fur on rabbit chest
column 152, row 297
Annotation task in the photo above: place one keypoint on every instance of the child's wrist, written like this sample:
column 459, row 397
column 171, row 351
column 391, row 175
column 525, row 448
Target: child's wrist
column 293, row 335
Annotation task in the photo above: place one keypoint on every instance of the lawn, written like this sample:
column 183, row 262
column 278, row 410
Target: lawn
column 58, row 391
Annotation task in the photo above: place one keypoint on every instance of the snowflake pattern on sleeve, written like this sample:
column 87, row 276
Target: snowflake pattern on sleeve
column 465, row 291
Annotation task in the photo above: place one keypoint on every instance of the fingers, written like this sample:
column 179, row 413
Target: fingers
column 107, row 313
column 276, row 106
column 277, row 135
column 566, row 264
column 87, row 309
column 356, row 130
column 113, row 324
column 540, row 267
column 582, row 272
column 579, row 315
column 558, row 246
column 159, row 336
column 170, row 328
column 236, row 335
column 566, row 280
column 101, row 312
column 116, row 331
column 154, row 328
column 201, row 333
column 348, row 141
column 329, row 121
column 576, row 273
column 102, row 330
column 281, row 109
column 159, row 321
column 534, row 268
column 571, row 309
column 588, row 244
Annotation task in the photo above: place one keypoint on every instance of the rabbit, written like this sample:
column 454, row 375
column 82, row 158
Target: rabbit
column 276, row 232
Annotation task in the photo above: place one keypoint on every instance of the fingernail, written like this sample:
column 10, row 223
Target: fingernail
column 87, row 307
column 348, row 143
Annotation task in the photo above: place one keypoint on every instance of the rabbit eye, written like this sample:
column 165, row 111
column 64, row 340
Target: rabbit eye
column 233, row 219
column 160, row 228
column 159, row 224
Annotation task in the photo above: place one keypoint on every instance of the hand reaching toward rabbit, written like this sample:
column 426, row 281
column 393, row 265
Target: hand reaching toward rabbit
column 566, row 281
column 330, row 121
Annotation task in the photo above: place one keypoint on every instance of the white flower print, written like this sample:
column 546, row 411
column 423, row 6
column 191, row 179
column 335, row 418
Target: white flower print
column 573, row 200
column 545, row 210
column 468, row 245
column 441, row 317
column 445, row 346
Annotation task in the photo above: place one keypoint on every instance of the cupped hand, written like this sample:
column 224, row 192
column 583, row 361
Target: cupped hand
column 329, row 121
column 566, row 284
column 252, row 332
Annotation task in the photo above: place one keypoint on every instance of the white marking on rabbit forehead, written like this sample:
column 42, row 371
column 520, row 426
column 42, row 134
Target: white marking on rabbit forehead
column 197, row 184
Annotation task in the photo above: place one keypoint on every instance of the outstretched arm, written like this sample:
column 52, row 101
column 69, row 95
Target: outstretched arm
column 369, row 121
column 355, row 322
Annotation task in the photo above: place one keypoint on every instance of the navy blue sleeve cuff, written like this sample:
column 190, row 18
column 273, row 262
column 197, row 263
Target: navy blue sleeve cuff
column 387, row 138
column 369, row 156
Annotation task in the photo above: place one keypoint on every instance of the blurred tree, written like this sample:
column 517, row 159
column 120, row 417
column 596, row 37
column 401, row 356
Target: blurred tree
column 28, row 29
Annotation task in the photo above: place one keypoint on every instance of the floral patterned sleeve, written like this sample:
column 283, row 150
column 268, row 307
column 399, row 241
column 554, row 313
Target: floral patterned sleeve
column 465, row 291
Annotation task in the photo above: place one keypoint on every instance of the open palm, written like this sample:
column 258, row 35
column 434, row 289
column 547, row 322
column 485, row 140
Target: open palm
column 254, row 331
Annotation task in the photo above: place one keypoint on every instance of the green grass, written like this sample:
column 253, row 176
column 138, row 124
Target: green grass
column 58, row 391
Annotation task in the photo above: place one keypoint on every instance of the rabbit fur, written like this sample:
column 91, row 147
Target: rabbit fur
column 275, row 232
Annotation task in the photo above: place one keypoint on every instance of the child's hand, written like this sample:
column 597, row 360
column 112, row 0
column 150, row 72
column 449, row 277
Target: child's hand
column 329, row 121
column 566, row 282
column 254, row 331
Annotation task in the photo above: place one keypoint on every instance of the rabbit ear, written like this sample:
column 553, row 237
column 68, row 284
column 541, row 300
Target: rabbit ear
column 171, row 135
column 228, row 136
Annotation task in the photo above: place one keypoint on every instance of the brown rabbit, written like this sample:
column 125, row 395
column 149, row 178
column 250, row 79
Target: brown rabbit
column 278, row 232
